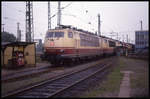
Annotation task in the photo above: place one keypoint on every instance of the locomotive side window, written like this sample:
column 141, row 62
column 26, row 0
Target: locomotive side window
column 86, row 40
column 112, row 44
column 105, row 40
column 59, row 34
column 70, row 35
column 54, row 34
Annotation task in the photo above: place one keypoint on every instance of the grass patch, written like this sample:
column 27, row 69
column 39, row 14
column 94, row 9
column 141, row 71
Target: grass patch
column 113, row 81
column 111, row 84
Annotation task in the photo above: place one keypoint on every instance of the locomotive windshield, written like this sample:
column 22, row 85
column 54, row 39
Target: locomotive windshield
column 59, row 34
column 49, row 34
column 54, row 34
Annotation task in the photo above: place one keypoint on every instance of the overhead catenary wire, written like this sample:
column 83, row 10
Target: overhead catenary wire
column 66, row 6
column 23, row 12
column 92, row 23
column 60, row 9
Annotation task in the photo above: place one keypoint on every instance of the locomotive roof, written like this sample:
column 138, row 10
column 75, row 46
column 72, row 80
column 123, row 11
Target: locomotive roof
column 73, row 28
column 81, row 30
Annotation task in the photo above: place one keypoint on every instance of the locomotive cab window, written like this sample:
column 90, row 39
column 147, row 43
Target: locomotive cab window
column 59, row 34
column 49, row 34
column 54, row 34
column 70, row 34
column 112, row 44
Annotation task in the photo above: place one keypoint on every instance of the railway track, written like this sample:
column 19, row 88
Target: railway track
column 51, row 88
column 24, row 74
column 27, row 73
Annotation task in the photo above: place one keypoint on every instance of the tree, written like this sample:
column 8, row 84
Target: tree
column 7, row 37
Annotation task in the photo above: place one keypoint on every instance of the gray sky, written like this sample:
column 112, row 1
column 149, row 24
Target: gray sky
column 121, row 17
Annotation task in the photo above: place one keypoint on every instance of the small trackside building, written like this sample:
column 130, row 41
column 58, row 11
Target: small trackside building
column 17, row 54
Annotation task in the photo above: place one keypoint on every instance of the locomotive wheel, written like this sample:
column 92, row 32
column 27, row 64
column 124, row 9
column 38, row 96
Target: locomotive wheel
column 68, row 62
column 65, row 62
column 83, row 60
column 77, row 61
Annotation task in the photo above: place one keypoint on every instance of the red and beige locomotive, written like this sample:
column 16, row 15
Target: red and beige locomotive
column 66, row 44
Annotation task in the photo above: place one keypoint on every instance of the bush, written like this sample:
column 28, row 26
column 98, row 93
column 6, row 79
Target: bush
column 7, row 37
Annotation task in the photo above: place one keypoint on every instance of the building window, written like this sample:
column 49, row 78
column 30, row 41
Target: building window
column 142, row 37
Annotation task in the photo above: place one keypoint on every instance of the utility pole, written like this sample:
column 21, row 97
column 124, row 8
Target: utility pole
column 141, row 25
column 99, row 25
column 127, row 38
column 117, row 36
column 59, row 15
column 49, row 16
column 123, row 38
column 3, row 27
column 18, row 32
column 29, row 22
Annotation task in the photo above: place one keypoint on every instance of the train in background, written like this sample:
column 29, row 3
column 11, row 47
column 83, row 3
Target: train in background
column 66, row 44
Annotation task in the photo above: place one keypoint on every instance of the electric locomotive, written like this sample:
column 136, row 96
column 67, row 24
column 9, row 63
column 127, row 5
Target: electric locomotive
column 67, row 44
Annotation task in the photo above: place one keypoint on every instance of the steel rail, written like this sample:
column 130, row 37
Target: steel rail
column 107, row 65
column 18, row 75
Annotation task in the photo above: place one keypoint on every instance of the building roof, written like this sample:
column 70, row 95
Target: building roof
column 16, row 43
column 142, row 31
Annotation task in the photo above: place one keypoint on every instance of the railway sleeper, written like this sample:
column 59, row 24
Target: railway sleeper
column 53, row 89
column 61, row 83
column 38, row 94
column 67, row 81
column 55, row 84
column 56, row 87
column 29, row 96
column 45, row 90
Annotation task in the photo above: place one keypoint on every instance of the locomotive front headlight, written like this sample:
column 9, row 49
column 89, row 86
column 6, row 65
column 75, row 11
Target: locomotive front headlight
column 61, row 50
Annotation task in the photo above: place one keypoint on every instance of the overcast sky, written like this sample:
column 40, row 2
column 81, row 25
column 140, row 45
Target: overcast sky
column 121, row 17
